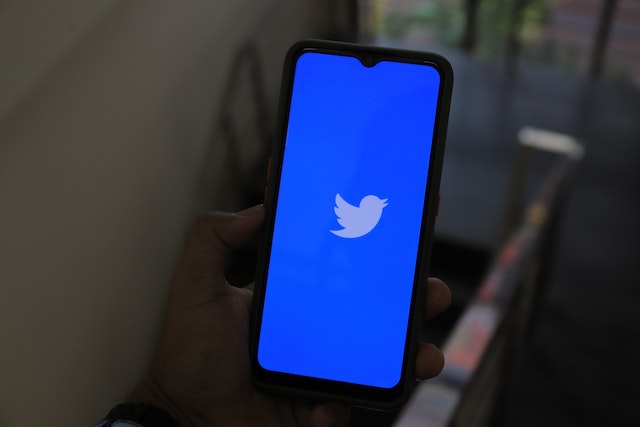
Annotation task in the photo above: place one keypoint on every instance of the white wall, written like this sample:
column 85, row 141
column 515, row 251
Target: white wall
column 107, row 152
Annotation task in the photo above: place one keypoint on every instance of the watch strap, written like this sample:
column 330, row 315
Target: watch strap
column 141, row 414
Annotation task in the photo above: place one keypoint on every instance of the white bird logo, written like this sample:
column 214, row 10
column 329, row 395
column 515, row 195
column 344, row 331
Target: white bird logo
column 358, row 220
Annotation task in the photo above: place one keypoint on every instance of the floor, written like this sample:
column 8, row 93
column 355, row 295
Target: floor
column 580, row 366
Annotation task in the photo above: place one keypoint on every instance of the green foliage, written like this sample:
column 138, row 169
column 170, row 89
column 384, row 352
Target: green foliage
column 443, row 21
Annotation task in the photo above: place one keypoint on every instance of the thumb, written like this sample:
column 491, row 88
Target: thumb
column 212, row 238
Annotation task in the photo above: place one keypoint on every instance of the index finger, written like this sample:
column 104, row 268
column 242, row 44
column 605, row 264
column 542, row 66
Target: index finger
column 438, row 297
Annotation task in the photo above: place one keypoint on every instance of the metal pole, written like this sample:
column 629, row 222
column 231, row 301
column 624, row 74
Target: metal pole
column 602, row 37
column 513, row 34
column 469, row 38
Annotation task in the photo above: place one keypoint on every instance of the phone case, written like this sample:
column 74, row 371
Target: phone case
column 358, row 396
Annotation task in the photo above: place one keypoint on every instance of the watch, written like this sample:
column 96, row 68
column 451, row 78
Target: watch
column 141, row 414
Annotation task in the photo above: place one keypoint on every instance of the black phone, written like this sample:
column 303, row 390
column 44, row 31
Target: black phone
column 351, row 203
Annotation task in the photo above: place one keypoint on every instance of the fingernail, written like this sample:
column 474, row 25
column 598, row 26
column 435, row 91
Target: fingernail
column 250, row 211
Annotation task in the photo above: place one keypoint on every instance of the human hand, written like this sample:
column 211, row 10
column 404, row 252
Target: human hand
column 200, row 373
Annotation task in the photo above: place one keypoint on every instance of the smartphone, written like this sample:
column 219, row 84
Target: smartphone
column 351, row 202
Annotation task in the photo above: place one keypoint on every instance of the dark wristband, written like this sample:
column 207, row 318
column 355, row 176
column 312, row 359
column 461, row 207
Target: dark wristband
column 143, row 414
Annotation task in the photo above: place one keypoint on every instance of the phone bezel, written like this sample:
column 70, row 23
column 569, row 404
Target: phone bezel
column 315, row 388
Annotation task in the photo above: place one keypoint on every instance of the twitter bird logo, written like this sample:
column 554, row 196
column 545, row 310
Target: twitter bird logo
column 358, row 220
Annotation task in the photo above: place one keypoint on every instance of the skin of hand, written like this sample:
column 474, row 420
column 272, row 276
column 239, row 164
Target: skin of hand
column 200, row 372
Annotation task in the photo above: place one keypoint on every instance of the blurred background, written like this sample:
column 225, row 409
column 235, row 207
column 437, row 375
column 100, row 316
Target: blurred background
column 120, row 121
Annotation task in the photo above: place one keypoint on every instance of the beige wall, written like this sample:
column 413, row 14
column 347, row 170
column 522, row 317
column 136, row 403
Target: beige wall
column 108, row 150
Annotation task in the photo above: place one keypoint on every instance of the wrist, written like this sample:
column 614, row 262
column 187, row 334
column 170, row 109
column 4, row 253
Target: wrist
column 149, row 392
column 143, row 415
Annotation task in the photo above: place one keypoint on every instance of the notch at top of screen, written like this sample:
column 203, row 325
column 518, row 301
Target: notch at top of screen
column 369, row 60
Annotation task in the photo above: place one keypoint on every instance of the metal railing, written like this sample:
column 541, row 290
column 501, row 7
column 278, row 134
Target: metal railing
column 496, row 323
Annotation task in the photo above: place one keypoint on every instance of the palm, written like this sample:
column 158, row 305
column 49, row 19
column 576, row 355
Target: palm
column 221, row 392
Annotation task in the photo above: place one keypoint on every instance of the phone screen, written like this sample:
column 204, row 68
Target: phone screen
column 348, row 216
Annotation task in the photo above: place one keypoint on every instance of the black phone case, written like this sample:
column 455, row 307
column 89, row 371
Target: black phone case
column 321, row 390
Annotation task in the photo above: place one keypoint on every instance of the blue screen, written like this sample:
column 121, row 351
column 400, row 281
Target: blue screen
column 348, row 219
